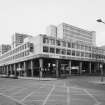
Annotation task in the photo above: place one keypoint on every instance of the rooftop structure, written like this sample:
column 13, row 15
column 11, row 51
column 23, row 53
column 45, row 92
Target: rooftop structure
column 18, row 39
column 69, row 32
column 52, row 31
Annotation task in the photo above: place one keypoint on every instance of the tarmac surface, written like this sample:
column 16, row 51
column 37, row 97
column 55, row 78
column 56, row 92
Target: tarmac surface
column 76, row 90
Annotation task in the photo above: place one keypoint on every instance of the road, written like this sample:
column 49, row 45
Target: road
column 76, row 90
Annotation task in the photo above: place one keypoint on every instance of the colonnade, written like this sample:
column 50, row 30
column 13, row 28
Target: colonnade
column 14, row 68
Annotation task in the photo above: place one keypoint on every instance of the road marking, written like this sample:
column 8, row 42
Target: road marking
column 13, row 99
column 30, row 94
column 19, row 91
column 68, row 96
column 91, row 95
column 49, row 94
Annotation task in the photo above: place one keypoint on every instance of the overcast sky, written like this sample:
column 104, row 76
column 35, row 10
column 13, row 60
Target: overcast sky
column 33, row 16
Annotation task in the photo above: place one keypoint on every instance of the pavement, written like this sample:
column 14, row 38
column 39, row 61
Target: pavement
column 97, row 80
column 52, row 92
column 38, row 78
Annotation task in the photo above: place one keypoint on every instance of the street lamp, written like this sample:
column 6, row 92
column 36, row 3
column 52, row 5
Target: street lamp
column 101, row 66
column 102, row 73
column 100, row 20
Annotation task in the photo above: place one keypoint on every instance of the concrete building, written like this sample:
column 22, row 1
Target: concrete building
column 4, row 48
column 70, row 32
column 49, row 56
column 18, row 39
column 52, row 31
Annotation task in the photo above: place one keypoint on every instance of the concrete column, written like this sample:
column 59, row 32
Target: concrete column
column 19, row 69
column 25, row 70
column 80, row 68
column 14, row 68
column 7, row 69
column 57, row 68
column 69, row 68
column 95, row 68
column 98, row 66
column 32, row 69
column 4, row 70
column 90, row 68
column 41, row 67
column 11, row 69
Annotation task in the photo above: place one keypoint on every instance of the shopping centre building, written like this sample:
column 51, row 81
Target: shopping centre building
column 64, row 51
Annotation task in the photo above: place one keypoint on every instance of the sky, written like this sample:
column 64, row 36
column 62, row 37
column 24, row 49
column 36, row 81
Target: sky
column 33, row 16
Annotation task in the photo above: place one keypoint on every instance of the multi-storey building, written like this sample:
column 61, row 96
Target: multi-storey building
column 4, row 48
column 52, row 56
column 70, row 32
column 18, row 39
column 46, row 55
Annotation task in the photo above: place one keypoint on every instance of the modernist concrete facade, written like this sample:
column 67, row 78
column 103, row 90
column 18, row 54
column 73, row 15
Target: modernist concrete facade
column 18, row 39
column 44, row 56
column 4, row 48
column 69, row 32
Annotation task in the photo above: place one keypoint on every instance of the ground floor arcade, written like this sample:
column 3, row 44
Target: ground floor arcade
column 48, row 67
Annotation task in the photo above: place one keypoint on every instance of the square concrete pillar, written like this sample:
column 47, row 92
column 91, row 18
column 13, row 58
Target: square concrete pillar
column 25, row 69
column 90, row 68
column 32, row 69
column 7, row 70
column 69, row 68
column 41, row 67
column 80, row 68
column 11, row 69
column 14, row 68
column 57, row 68
column 19, row 66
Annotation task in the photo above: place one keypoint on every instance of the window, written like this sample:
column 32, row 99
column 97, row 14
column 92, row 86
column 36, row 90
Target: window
column 78, row 46
column 87, row 48
column 73, row 53
column 73, row 45
column 82, row 47
column 87, row 55
column 21, row 48
column 57, row 51
column 27, row 53
column 52, row 50
column 77, row 53
column 52, row 41
column 45, row 40
column 63, row 51
column 82, row 54
column 58, row 43
column 45, row 49
column 63, row 44
column 68, row 52
column 25, row 46
column 69, row 45
column 31, row 47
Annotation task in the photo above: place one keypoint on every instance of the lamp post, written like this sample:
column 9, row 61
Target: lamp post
column 101, row 66
column 100, row 21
